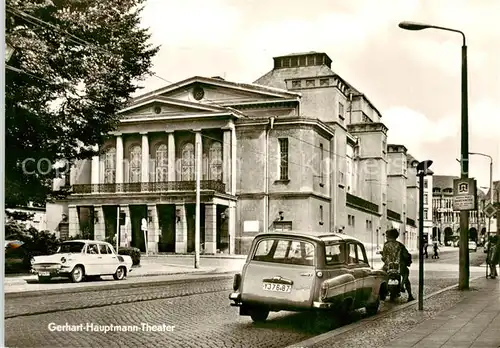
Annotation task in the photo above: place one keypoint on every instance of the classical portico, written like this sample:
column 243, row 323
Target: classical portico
column 146, row 169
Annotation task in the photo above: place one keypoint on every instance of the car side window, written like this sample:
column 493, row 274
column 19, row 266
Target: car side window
column 352, row 258
column 92, row 249
column 334, row 254
column 103, row 248
column 361, row 254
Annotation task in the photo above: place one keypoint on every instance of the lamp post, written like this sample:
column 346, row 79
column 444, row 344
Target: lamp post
column 422, row 171
column 463, row 281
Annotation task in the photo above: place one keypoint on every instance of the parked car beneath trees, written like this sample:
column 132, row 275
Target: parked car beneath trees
column 78, row 259
column 302, row 271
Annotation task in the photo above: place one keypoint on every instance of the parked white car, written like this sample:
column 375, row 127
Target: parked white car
column 472, row 246
column 77, row 259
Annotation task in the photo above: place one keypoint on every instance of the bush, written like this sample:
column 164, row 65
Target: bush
column 134, row 253
column 36, row 243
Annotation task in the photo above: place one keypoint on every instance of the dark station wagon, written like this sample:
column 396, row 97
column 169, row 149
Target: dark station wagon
column 301, row 271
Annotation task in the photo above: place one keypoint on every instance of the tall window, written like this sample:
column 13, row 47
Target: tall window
column 188, row 167
column 321, row 214
column 215, row 161
column 135, row 164
column 283, row 159
column 426, row 199
column 426, row 214
column 341, row 111
column 321, row 159
column 426, row 183
column 109, row 159
column 162, row 163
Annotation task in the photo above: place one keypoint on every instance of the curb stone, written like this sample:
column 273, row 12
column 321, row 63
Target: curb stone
column 123, row 285
column 342, row 330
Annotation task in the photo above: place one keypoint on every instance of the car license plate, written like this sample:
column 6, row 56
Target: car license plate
column 393, row 282
column 44, row 274
column 277, row 287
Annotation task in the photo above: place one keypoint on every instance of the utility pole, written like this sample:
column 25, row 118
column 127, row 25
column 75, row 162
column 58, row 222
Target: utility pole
column 198, row 222
column 422, row 171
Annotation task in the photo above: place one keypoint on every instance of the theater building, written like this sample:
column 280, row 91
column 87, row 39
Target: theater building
column 290, row 151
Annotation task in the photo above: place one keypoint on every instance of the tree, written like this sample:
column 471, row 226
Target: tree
column 75, row 64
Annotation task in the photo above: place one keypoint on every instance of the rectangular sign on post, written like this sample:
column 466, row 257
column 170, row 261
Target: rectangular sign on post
column 464, row 195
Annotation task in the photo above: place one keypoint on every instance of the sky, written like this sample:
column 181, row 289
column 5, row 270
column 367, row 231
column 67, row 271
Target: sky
column 412, row 77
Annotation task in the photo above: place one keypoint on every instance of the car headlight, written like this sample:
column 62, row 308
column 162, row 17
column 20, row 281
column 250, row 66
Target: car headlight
column 63, row 260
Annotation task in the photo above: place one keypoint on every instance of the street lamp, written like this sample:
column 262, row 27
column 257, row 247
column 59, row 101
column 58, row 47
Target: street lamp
column 422, row 171
column 463, row 281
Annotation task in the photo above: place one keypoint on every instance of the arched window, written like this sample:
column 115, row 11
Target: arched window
column 215, row 161
column 109, row 160
column 188, row 168
column 162, row 163
column 135, row 164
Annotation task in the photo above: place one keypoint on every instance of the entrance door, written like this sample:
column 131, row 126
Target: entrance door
column 167, row 224
column 190, row 218
column 137, row 213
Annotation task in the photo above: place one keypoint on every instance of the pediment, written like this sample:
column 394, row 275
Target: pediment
column 160, row 106
column 216, row 91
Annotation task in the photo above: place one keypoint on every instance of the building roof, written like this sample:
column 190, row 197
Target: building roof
column 496, row 191
column 443, row 181
column 276, row 77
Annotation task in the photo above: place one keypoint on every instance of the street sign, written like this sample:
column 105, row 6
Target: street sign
column 489, row 210
column 464, row 194
column 144, row 225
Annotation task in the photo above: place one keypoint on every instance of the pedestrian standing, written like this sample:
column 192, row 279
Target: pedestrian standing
column 492, row 259
column 436, row 249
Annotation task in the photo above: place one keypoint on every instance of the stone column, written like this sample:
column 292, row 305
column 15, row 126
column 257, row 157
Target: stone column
column 232, row 226
column 119, row 163
column 210, row 228
column 153, row 229
column 180, row 230
column 95, row 173
column 145, row 162
column 74, row 223
column 125, row 231
column 171, row 156
column 226, row 159
column 99, row 225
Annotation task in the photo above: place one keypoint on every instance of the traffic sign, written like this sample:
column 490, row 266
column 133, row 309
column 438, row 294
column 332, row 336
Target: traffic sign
column 144, row 225
column 464, row 194
column 489, row 210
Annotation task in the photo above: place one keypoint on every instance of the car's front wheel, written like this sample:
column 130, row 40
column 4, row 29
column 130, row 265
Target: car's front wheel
column 259, row 315
column 76, row 275
column 120, row 273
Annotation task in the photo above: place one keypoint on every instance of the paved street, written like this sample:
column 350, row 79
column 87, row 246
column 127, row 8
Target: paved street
column 197, row 311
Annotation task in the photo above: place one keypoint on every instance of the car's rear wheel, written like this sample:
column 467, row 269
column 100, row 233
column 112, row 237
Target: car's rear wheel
column 120, row 273
column 372, row 308
column 43, row 279
column 259, row 315
column 76, row 275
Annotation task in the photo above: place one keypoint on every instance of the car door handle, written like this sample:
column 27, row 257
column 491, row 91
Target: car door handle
column 114, row 257
column 305, row 274
column 100, row 257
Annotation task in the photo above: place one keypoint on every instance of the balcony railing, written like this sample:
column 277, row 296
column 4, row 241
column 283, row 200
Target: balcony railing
column 361, row 203
column 165, row 186
column 393, row 215
column 410, row 222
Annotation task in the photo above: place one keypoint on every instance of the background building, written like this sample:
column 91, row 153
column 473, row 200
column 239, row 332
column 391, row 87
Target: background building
column 446, row 221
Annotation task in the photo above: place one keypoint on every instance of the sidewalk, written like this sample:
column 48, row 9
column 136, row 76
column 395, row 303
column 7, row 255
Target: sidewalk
column 474, row 322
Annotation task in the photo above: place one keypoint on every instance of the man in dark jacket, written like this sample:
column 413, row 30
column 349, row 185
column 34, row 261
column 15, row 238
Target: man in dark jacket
column 493, row 257
column 396, row 252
